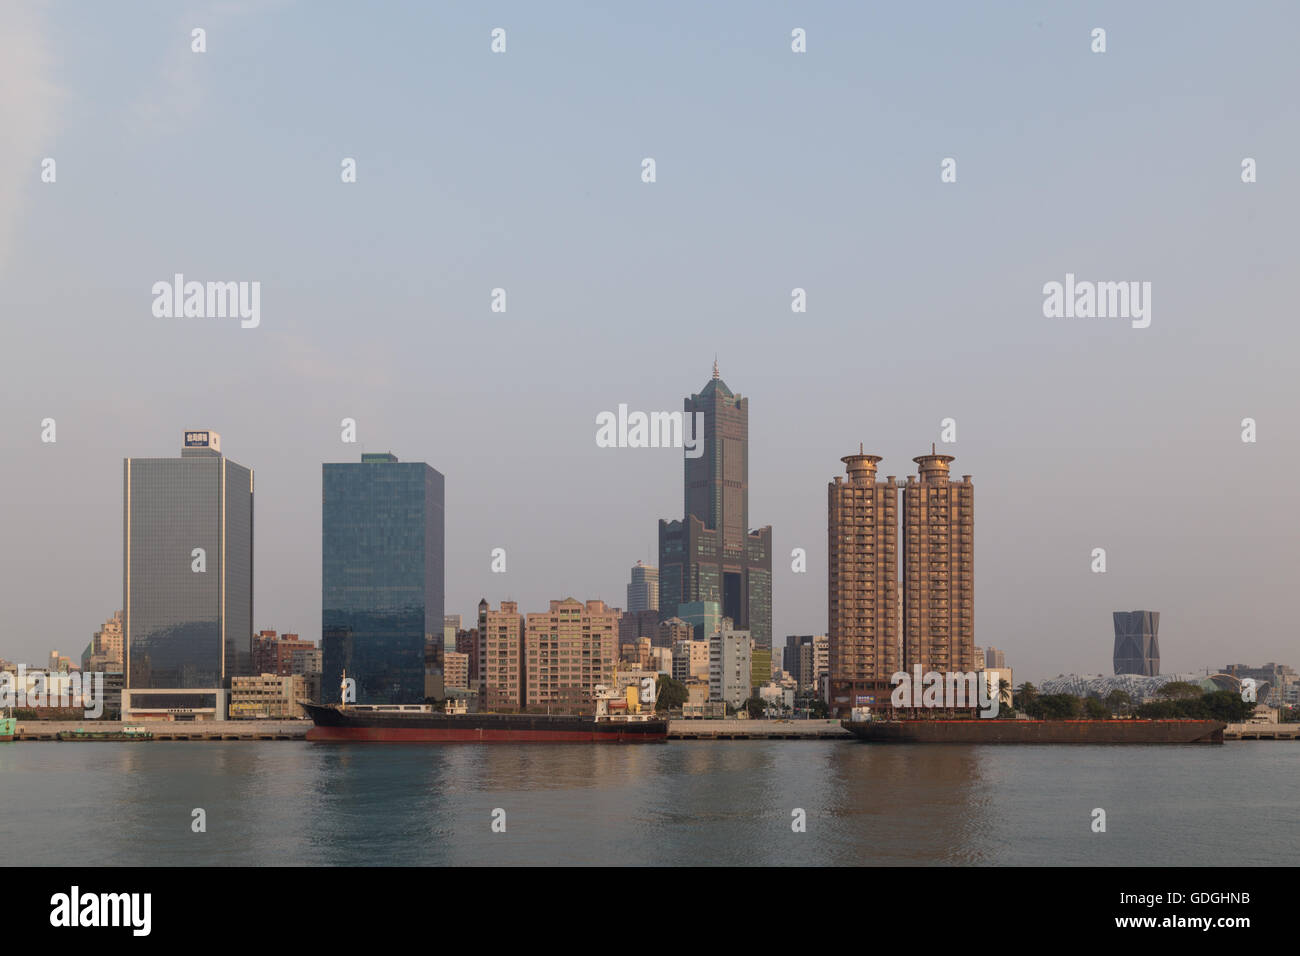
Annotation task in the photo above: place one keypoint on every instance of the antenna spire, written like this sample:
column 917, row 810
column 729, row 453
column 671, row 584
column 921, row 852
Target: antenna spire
column 715, row 366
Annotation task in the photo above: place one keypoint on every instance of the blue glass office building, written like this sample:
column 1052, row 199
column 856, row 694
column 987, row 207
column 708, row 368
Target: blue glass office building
column 381, row 576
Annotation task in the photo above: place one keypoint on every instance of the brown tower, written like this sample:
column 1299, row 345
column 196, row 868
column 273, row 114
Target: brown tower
column 938, row 569
column 862, row 627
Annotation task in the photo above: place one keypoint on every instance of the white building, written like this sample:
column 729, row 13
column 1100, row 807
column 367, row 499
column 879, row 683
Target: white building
column 729, row 666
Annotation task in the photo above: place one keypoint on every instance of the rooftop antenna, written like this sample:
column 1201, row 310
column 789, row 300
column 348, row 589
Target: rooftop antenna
column 715, row 366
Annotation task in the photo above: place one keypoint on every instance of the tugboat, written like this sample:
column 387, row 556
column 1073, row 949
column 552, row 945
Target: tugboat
column 618, row 719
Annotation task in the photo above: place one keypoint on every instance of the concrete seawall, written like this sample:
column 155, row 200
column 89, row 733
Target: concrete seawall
column 171, row 730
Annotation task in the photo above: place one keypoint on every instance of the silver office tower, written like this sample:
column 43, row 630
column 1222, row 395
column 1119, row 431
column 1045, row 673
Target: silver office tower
column 187, row 583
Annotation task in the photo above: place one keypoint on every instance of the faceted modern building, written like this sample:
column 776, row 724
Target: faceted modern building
column 1137, row 643
column 711, row 555
column 938, row 569
column 381, row 576
column 187, row 582
column 864, row 645
column 643, row 589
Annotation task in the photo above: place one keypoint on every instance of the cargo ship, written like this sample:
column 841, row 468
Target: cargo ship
column 616, row 720
column 987, row 731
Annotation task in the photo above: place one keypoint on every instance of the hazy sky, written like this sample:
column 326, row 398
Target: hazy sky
column 775, row 170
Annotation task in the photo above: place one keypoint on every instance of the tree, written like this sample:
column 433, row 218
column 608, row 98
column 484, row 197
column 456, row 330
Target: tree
column 1056, row 707
column 1119, row 701
column 1181, row 689
column 816, row 707
column 755, row 707
column 1226, row 706
column 1096, row 709
column 1025, row 697
column 669, row 694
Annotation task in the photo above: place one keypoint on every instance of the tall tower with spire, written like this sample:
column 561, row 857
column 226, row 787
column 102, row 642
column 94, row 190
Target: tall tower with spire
column 711, row 554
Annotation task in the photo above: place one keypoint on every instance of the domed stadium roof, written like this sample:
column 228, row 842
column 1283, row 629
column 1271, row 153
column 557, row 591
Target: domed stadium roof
column 1136, row 686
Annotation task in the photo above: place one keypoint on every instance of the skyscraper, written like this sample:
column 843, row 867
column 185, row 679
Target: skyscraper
column 187, row 582
column 862, row 585
column 1137, row 642
column 938, row 569
column 643, row 589
column 381, row 576
column 711, row 555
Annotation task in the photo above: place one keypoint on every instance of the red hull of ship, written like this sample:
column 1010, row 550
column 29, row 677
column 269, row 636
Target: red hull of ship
column 479, row 735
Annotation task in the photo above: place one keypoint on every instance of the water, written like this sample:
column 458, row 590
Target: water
column 730, row 802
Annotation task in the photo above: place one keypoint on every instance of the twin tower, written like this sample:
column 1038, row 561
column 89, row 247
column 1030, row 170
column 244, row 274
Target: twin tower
column 879, row 622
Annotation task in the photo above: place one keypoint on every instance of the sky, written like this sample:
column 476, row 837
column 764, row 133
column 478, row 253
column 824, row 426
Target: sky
column 775, row 170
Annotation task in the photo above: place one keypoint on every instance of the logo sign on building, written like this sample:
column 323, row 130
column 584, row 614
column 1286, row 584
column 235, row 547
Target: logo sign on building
column 203, row 439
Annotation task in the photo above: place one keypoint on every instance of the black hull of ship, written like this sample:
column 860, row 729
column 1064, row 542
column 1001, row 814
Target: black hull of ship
column 335, row 724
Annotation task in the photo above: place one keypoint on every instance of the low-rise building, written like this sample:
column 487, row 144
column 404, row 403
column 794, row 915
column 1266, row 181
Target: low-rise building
column 455, row 670
column 690, row 660
column 267, row 697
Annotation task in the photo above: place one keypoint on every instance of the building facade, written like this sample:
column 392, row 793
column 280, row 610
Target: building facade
column 643, row 589
column 711, row 555
column 938, row 569
column 1137, row 642
column 382, row 575
column 187, row 582
column 283, row 654
column 104, row 652
column 455, row 670
column 634, row 624
column 500, row 657
column 691, row 660
column 864, row 644
column 730, row 667
column 569, row 650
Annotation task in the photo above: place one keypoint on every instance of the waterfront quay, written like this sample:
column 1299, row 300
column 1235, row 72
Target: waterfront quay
column 170, row 729
column 696, row 729
column 297, row 729
column 1262, row 732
